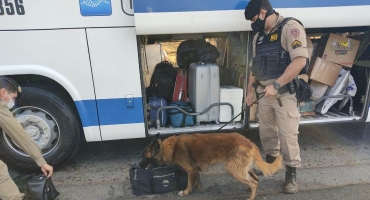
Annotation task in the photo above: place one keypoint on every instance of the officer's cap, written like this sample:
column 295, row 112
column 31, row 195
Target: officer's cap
column 253, row 8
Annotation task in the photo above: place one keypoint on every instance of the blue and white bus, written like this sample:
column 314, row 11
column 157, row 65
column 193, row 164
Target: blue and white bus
column 78, row 62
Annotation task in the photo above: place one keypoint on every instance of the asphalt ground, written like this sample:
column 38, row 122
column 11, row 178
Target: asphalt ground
column 335, row 165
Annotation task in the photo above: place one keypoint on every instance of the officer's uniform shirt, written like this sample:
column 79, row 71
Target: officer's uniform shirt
column 293, row 40
column 15, row 131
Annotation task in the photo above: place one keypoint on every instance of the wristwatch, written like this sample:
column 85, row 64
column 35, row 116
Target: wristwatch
column 276, row 85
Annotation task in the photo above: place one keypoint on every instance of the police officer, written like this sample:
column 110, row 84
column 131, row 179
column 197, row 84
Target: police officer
column 279, row 55
column 9, row 91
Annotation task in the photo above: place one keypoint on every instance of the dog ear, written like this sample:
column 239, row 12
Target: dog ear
column 155, row 137
column 156, row 146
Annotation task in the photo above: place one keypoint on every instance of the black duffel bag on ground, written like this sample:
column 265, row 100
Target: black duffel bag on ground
column 157, row 180
column 36, row 187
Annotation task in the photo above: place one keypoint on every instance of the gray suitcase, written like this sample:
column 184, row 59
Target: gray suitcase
column 204, row 90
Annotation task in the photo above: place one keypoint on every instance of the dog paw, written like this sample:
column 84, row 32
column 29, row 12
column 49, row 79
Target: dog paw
column 181, row 193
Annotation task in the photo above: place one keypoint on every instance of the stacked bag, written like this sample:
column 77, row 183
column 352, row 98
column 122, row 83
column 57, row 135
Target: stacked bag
column 169, row 86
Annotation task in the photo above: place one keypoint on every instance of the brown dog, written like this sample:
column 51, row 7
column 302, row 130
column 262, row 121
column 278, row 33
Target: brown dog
column 196, row 152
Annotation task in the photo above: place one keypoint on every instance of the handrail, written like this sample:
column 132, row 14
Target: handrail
column 197, row 113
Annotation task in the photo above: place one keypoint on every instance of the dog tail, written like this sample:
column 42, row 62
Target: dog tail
column 267, row 169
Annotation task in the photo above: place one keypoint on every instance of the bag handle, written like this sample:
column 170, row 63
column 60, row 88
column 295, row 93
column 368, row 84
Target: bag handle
column 180, row 95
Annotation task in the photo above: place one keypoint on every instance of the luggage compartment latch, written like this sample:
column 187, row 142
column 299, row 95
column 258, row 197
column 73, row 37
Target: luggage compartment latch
column 130, row 101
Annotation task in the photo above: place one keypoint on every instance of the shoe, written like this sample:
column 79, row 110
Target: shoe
column 291, row 184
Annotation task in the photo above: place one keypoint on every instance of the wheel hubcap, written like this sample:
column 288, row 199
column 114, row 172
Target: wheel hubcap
column 40, row 125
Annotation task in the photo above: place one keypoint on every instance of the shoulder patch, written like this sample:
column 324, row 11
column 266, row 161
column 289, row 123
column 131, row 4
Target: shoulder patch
column 296, row 44
column 294, row 32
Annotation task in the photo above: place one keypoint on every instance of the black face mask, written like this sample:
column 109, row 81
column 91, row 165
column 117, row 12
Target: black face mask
column 259, row 24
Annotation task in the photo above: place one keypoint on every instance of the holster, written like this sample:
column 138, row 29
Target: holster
column 292, row 87
column 303, row 90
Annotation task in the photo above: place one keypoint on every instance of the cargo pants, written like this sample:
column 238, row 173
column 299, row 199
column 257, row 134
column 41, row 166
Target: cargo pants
column 278, row 127
column 8, row 189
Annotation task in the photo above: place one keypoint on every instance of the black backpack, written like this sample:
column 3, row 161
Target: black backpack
column 199, row 50
column 163, row 80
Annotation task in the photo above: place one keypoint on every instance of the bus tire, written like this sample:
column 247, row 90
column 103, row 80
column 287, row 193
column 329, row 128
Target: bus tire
column 52, row 124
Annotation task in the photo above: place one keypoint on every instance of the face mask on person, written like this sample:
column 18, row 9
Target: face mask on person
column 259, row 24
column 10, row 104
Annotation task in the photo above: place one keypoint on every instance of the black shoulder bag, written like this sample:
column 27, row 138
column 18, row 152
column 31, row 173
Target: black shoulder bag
column 41, row 187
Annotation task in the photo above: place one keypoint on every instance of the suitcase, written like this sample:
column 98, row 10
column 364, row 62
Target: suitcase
column 155, row 103
column 157, row 180
column 204, row 90
column 181, row 86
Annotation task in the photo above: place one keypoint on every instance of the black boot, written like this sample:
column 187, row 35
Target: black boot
column 270, row 159
column 291, row 184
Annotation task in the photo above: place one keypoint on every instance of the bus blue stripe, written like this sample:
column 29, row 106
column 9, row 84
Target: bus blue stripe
column 111, row 111
column 150, row 6
column 88, row 112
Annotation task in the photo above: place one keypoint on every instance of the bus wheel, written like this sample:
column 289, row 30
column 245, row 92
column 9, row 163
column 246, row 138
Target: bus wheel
column 52, row 124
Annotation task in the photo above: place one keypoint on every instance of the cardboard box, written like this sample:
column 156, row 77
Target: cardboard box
column 338, row 49
column 318, row 90
column 323, row 71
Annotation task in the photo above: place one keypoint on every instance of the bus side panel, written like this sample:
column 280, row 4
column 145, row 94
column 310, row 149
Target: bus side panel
column 61, row 55
column 206, row 16
column 368, row 116
column 55, row 14
column 114, row 61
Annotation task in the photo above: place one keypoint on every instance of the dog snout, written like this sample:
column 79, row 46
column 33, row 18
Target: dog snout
column 145, row 162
